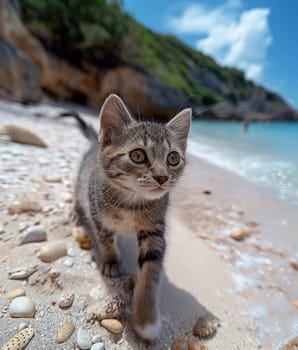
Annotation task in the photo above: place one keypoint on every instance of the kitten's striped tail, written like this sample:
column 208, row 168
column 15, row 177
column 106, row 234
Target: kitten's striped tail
column 87, row 129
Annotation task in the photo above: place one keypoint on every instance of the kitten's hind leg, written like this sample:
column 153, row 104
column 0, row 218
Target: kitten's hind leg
column 146, row 315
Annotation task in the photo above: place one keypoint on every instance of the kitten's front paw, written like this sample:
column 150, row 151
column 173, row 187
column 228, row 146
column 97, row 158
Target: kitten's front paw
column 149, row 330
column 112, row 269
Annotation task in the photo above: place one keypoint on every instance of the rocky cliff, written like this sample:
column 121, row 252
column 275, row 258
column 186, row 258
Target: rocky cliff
column 83, row 51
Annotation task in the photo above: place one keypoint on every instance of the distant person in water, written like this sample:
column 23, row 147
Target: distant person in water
column 245, row 125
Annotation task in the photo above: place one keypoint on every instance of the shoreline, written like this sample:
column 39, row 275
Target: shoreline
column 249, row 284
column 260, row 264
column 249, row 154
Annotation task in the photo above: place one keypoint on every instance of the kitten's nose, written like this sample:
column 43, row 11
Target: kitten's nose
column 161, row 179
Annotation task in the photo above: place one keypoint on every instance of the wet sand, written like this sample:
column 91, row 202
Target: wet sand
column 249, row 283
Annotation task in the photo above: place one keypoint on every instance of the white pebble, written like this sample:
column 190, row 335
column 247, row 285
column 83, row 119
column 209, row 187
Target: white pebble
column 67, row 197
column 83, row 339
column 68, row 262
column 22, row 307
column 22, row 325
column 94, row 265
column 52, row 251
column 98, row 346
column 33, row 234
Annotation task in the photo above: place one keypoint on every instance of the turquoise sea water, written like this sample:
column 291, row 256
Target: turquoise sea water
column 267, row 153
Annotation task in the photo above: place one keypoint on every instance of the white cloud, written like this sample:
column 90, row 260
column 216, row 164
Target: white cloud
column 233, row 36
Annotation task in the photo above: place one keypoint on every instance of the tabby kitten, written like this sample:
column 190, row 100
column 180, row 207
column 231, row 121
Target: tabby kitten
column 123, row 188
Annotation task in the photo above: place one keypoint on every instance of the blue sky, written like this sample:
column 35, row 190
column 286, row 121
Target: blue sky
column 257, row 36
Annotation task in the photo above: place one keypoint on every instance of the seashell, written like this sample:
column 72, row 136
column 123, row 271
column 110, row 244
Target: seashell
column 20, row 340
column 83, row 339
column 22, row 307
column 98, row 346
column 206, row 326
column 16, row 292
column 22, row 273
column 19, row 134
column 112, row 325
column 66, row 301
column 54, row 274
column 52, row 251
column 33, row 234
column 65, row 331
column 25, row 207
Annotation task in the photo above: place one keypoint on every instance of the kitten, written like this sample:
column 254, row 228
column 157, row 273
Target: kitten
column 123, row 188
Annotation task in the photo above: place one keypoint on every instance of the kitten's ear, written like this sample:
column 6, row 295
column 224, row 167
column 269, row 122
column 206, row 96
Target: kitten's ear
column 180, row 125
column 113, row 117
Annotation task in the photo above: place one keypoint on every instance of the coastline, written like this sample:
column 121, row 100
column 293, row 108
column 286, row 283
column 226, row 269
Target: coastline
column 248, row 284
column 264, row 282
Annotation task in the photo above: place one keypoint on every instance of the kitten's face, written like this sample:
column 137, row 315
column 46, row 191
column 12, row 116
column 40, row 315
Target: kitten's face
column 144, row 159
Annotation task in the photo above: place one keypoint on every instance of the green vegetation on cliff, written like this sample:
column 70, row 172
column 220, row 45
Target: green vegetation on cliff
column 100, row 31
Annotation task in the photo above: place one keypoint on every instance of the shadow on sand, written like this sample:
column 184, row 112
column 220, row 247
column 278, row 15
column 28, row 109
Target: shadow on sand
column 179, row 308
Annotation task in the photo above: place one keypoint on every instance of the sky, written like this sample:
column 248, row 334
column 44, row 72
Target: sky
column 259, row 37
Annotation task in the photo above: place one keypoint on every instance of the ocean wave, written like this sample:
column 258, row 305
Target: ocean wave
column 281, row 176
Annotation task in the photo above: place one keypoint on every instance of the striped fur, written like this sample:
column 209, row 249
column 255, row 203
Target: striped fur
column 116, row 195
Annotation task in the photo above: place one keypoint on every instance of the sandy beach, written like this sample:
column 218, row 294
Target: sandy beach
column 232, row 250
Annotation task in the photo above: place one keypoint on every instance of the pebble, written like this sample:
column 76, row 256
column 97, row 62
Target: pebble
column 33, row 234
column 68, row 262
column 25, row 207
column 206, row 326
column 66, row 301
column 239, row 234
column 16, row 292
column 65, row 331
column 181, row 344
column 22, row 273
column 53, row 178
column 84, row 241
column 83, row 339
column 22, row 307
column 294, row 265
column 22, row 325
column 112, row 325
column 96, row 339
column 98, row 346
column 251, row 224
column 208, row 192
column 52, row 251
column 67, row 197
column 20, row 340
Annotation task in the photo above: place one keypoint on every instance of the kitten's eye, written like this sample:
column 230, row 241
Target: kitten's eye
column 138, row 155
column 173, row 158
